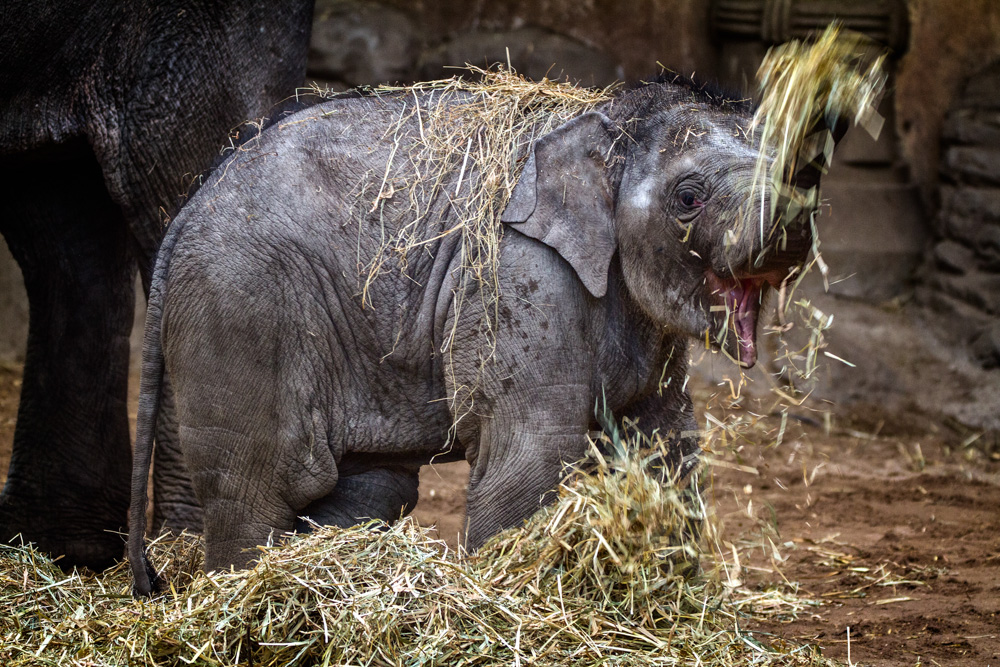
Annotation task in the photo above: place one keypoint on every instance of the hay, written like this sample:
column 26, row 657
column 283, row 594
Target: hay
column 609, row 574
column 805, row 91
column 473, row 138
column 481, row 130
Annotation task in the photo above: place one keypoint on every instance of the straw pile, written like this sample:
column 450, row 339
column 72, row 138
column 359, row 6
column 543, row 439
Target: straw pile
column 609, row 574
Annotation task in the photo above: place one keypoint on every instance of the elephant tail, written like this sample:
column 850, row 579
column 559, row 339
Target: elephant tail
column 145, row 579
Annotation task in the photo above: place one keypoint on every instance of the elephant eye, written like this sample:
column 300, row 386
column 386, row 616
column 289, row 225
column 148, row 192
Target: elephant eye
column 689, row 199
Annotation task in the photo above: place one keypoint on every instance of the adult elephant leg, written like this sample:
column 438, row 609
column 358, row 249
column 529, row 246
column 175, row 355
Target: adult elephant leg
column 68, row 484
column 362, row 493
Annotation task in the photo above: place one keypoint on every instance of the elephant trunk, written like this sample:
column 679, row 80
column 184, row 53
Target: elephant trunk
column 808, row 174
column 792, row 232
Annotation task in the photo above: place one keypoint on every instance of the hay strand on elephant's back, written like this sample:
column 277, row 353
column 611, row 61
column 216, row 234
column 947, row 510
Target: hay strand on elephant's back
column 473, row 138
column 461, row 143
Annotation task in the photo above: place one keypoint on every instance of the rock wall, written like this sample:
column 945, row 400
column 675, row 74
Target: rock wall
column 596, row 42
column 963, row 269
column 950, row 41
column 948, row 96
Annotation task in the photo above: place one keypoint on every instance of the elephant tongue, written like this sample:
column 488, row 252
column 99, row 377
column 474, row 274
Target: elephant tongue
column 740, row 297
column 743, row 305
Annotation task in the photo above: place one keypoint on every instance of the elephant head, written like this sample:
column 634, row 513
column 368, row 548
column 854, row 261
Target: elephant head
column 663, row 176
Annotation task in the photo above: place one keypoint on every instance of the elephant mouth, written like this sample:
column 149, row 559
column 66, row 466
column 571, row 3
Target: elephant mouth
column 736, row 304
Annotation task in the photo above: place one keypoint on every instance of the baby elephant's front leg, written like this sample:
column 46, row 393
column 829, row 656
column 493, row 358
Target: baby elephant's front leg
column 517, row 470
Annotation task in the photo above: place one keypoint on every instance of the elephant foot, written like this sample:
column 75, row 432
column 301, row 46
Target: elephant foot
column 71, row 539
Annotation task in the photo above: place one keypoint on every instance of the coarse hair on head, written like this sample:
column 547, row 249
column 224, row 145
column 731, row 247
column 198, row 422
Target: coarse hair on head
column 669, row 88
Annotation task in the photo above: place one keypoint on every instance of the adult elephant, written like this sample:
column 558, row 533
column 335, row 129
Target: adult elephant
column 107, row 111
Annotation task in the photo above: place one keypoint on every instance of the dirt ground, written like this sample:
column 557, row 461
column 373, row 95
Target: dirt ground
column 887, row 526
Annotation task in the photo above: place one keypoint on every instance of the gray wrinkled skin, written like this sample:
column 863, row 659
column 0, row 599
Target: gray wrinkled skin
column 293, row 399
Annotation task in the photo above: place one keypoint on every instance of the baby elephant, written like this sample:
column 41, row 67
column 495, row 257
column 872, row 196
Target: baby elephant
column 305, row 385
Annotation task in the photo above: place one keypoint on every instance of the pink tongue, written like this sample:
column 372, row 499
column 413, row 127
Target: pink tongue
column 743, row 304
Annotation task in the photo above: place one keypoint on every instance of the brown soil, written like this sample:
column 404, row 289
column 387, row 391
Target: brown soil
column 888, row 527
column 896, row 534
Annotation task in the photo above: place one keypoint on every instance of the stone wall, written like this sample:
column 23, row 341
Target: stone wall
column 595, row 42
column 948, row 95
column 963, row 268
column 950, row 41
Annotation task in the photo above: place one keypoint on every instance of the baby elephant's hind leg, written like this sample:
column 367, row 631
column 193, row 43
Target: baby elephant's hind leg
column 363, row 493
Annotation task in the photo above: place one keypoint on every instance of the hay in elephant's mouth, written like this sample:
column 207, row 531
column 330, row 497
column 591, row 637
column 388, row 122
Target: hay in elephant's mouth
column 613, row 572
column 807, row 86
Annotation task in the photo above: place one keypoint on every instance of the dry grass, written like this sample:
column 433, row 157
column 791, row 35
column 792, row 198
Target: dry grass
column 805, row 90
column 479, row 130
column 473, row 138
column 615, row 572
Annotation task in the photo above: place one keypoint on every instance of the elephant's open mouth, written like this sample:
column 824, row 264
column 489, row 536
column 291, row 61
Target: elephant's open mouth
column 736, row 304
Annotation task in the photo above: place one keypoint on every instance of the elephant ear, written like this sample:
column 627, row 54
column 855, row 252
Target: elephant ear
column 564, row 197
